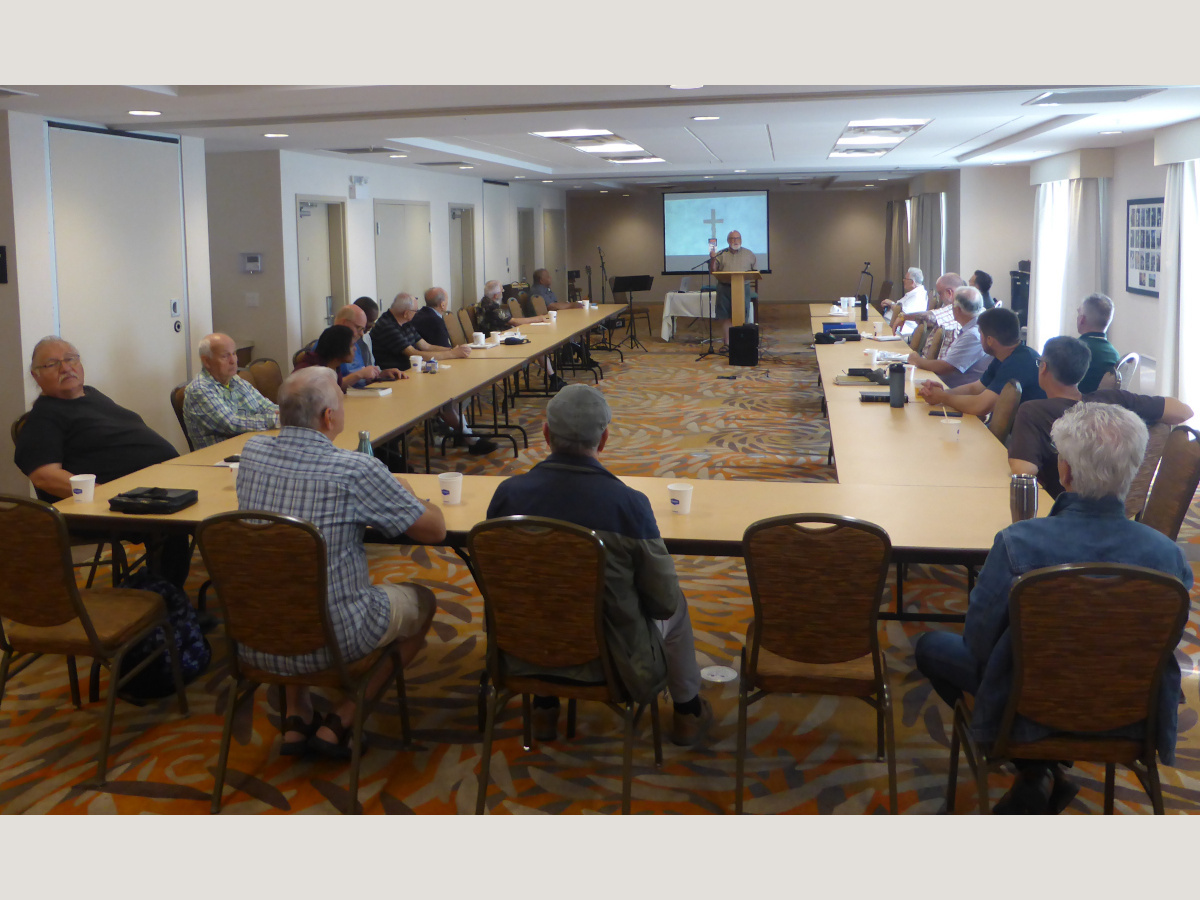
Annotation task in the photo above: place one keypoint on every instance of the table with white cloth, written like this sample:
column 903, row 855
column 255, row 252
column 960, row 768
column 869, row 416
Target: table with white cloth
column 690, row 304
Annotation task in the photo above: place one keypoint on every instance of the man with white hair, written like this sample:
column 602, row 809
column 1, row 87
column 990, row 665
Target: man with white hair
column 966, row 360
column 914, row 300
column 218, row 403
column 1092, row 320
column 394, row 340
column 301, row 473
column 1100, row 447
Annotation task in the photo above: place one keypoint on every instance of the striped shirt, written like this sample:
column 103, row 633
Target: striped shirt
column 301, row 473
column 213, row 412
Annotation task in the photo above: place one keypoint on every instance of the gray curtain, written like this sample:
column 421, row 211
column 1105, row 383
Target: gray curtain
column 927, row 235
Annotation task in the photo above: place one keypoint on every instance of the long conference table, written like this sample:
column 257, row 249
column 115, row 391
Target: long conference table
column 940, row 500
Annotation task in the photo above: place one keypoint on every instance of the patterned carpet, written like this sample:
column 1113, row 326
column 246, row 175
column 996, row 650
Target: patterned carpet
column 673, row 416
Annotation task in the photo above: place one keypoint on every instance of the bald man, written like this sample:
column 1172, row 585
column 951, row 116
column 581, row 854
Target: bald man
column 360, row 372
column 218, row 403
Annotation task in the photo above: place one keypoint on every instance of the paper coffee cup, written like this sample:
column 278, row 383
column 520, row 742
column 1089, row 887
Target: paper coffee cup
column 554, row 315
column 477, row 337
column 878, row 326
column 414, row 364
column 83, row 488
column 492, row 336
column 233, row 467
column 450, row 484
column 681, row 498
column 950, row 428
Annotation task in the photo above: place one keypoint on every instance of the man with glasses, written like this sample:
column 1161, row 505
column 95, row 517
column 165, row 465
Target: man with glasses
column 74, row 429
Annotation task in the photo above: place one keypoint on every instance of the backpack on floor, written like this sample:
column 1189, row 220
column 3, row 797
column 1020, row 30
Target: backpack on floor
column 195, row 653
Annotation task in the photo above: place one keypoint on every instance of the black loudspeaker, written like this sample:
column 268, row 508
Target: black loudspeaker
column 743, row 345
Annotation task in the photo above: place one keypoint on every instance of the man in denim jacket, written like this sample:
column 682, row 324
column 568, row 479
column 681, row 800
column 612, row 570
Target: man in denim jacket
column 1100, row 447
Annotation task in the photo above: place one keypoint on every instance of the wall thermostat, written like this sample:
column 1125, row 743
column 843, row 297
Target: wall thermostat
column 252, row 263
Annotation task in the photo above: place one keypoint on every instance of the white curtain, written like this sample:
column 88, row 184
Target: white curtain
column 1179, row 369
column 1070, row 254
column 927, row 235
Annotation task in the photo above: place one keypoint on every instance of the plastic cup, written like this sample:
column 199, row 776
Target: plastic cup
column 910, row 373
column 414, row 365
column 554, row 315
column 950, row 428
column 450, row 484
column 83, row 488
column 872, row 357
column 681, row 498
column 878, row 326
column 476, row 337
column 492, row 337
column 233, row 467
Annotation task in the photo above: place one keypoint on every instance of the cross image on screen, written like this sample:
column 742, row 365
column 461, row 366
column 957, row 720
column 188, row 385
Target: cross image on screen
column 690, row 220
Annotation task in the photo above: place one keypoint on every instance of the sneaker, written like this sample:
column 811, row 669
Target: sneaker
column 482, row 446
column 545, row 724
column 557, row 383
column 687, row 730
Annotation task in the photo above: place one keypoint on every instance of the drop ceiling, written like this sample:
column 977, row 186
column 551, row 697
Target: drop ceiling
column 777, row 133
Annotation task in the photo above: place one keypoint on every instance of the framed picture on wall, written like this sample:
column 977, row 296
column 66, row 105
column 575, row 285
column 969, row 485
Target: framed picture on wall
column 1143, row 245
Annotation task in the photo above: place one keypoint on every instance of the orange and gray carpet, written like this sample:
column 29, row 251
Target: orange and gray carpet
column 672, row 417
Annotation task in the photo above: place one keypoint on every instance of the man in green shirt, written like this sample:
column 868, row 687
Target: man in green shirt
column 1095, row 315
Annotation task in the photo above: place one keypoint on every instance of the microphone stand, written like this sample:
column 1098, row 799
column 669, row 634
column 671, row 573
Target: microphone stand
column 711, row 299
column 870, row 288
column 606, row 343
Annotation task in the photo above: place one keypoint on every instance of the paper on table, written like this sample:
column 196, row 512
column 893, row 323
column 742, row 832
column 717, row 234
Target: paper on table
column 837, row 311
column 884, row 337
column 537, row 323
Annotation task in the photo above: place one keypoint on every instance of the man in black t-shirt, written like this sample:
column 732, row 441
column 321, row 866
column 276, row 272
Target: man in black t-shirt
column 1000, row 334
column 74, row 429
column 1064, row 362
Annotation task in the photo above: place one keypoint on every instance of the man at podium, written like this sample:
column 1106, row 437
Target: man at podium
column 734, row 258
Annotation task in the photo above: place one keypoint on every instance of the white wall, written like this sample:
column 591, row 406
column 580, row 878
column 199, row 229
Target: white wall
column 1137, row 320
column 995, row 222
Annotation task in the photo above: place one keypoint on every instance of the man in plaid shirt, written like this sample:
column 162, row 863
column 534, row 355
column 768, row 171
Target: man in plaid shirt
column 301, row 473
column 218, row 403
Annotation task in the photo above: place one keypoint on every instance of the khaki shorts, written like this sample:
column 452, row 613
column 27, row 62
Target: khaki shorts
column 409, row 610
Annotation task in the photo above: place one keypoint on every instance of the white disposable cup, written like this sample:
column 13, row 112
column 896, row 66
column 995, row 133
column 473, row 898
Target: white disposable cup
column 83, row 488
column 450, row 484
column 872, row 357
column 554, row 315
column 910, row 372
column 681, row 498
column 492, row 336
column 878, row 326
column 950, row 428
column 414, row 365
column 476, row 337
column 233, row 467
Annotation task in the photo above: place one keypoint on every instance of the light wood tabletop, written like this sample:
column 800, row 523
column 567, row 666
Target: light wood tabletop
column 836, row 359
column 721, row 510
column 550, row 335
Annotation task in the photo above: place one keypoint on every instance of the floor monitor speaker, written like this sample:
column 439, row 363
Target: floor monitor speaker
column 743, row 345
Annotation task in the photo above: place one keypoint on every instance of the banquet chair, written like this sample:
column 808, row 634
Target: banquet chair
column 267, row 377
column 515, row 309
column 1124, row 623
column 1126, row 370
column 468, row 317
column 897, row 319
column 1004, row 413
column 43, row 611
column 548, row 612
column 297, row 356
column 271, row 581
column 177, row 393
column 1110, row 380
column 815, row 624
column 539, row 305
column 1175, row 485
column 458, row 335
column 885, row 293
column 916, row 341
column 933, row 346
column 1135, row 499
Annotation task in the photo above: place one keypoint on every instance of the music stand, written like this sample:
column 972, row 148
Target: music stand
column 628, row 284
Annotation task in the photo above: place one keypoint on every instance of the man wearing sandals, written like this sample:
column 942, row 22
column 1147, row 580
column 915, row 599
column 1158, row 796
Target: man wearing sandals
column 301, row 473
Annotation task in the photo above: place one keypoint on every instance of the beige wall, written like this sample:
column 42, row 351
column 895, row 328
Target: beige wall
column 819, row 241
column 996, row 223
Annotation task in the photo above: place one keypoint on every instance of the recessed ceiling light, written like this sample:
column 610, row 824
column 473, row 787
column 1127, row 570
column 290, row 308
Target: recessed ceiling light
column 705, row 118
column 738, row 171
column 572, row 132
column 274, row 135
column 466, row 167
column 144, row 112
column 887, row 123
column 708, row 176
column 997, row 164
column 1112, row 132
column 398, row 156
column 868, row 185
column 624, row 195
column 885, row 179
column 518, row 176
column 870, row 139
column 685, row 87
column 857, row 153
column 604, row 192
column 547, row 181
column 612, row 147
column 641, row 159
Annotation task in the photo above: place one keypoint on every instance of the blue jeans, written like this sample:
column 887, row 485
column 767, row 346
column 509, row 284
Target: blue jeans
column 944, row 659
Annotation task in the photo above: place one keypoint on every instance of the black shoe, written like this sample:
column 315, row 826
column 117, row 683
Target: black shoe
column 482, row 446
column 1029, row 794
column 557, row 383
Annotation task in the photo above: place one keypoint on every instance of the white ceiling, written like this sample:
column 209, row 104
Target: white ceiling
column 776, row 133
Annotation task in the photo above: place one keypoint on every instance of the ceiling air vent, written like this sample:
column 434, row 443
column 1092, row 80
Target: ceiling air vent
column 1091, row 95
column 456, row 162
column 361, row 151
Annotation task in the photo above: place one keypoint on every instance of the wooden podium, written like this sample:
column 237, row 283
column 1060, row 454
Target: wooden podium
column 737, row 291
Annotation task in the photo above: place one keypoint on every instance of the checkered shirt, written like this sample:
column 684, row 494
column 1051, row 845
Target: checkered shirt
column 213, row 412
column 301, row 473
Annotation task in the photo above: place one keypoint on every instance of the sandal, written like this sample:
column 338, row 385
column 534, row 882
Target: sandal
column 308, row 729
column 332, row 750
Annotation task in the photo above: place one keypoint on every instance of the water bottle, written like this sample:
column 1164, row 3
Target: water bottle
column 364, row 443
column 862, row 307
column 1023, row 497
column 896, row 385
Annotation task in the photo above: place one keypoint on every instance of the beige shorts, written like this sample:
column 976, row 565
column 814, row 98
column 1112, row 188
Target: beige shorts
column 409, row 610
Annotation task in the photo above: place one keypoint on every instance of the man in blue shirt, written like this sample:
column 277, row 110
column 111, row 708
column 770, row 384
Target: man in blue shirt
column 1100, row 447
column 645, row 613
column 965, row 361
column 1000, row 334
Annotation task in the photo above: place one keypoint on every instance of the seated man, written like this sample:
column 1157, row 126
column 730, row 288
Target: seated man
column 1094, row 316
column 493, row 314
column 74, row 429
column 1100, row 447
column 371, row 309
column 301, row 473
column 360, row 370
column 1064, row 360
column 646, row 617
column 218, row 403
column 965, row 362
column 982, row 282
column 915, row 300
column 943, row 316
column 394, row 340
column 1000, row 334
column 540, row 287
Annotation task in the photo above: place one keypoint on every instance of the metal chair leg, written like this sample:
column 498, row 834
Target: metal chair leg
column 227, row 738
column 656, row 730
column 485, row 760
column 527, row 721
column 740, row 754
column 73, row 677
column 356, row 749
column 176, row 666
column 953, row 783
column 106, row 728
column 1110, row 777
column 1155, row 791
column 886, row 702
column 627, row 762
column 402, row 699
column 571, row 718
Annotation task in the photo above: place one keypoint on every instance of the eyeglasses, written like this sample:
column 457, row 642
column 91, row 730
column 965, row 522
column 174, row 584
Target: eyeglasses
column 57, row 363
